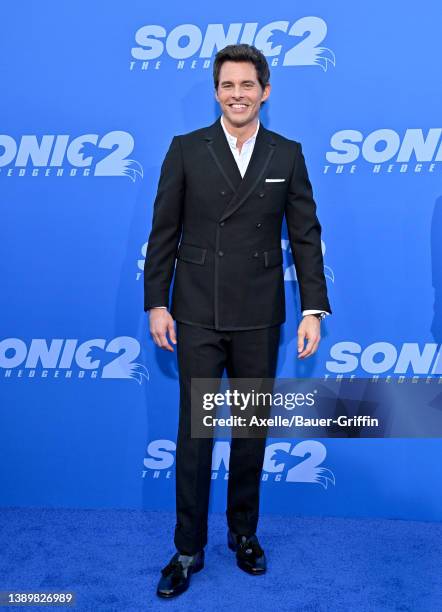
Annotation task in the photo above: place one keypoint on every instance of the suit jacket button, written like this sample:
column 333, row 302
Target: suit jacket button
column 255, row 254
column 258, row 224
column 261, row 195
column 221, row 223
column 220, row 253
column 222, row 192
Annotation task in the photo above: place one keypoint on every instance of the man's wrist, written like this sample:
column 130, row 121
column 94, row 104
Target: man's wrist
column 319, row 314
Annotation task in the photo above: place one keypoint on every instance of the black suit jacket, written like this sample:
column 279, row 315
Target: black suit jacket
column 224, row 232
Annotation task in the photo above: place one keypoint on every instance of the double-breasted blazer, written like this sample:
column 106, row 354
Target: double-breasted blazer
column 221, row 233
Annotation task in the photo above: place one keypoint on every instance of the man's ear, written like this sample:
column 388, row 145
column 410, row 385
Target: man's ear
column 216, row 95
column 266, row 92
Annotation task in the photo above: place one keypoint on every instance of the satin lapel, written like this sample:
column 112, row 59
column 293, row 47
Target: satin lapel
column 219, row 150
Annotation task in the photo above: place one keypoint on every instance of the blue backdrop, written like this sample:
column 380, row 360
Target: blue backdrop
column 92, row 94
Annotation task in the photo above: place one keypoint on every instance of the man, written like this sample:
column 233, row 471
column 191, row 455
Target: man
column 222, row 195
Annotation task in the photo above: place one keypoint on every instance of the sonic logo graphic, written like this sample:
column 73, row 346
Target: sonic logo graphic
column 297, row 44
column 300, row 463
column 382, row 357
column 386, row 149
column 67, row 358
column 283, row 462
column 88, row 154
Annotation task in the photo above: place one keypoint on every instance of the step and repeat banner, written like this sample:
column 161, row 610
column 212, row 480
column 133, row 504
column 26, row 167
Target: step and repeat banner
column 92, row 94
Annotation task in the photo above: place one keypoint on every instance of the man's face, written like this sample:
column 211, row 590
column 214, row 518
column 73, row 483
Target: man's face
column 240, row 93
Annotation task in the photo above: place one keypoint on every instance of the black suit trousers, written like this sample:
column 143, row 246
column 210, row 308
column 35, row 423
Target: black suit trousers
column 206, row 353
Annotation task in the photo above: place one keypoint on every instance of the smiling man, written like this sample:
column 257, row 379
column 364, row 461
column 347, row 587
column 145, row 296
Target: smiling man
column 222, row 196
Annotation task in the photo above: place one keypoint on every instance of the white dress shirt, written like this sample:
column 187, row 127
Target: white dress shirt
column 242, row 159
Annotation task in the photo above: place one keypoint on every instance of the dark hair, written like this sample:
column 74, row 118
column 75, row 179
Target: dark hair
column 242, row 53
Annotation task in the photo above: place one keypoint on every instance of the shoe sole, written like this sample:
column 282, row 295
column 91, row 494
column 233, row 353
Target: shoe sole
column 244, row 568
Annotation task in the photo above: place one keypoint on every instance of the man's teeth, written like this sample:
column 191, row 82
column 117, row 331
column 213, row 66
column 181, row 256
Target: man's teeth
column 239, row 105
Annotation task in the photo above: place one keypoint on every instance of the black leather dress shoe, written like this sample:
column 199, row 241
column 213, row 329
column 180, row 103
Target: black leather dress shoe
column 250, row 556
column 175, row 577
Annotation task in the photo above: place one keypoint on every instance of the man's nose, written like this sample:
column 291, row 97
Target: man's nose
column 237, row 92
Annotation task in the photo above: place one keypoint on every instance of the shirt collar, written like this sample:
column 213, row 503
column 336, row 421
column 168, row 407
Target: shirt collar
column 233, row 139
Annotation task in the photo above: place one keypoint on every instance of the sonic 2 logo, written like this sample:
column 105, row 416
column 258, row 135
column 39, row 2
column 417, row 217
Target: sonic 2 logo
column 64, row 358
column 413, row 150
column 283, row 461
column 188, row 40
column 382, row 357
column 107, row 155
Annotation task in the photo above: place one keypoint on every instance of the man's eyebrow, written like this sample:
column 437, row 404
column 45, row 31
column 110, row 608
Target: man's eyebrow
column 242, row 82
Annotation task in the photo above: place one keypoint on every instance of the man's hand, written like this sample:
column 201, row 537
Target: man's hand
column 310, row 329
column 160, row 323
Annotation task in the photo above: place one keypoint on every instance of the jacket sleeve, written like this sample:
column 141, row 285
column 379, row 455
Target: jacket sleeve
column 304, row 232
column 166, row 229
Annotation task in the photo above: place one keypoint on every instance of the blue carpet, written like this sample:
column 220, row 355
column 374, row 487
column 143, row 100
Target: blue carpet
column 112, row 560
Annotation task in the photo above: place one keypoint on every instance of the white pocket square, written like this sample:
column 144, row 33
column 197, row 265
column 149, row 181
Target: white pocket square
column 268, row 180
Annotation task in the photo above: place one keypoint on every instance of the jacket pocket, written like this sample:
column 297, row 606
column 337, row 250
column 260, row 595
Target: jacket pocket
column 191, row 253
column 273, row 258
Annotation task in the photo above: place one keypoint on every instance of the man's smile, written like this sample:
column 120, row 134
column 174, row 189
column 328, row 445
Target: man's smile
column 238, row 106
